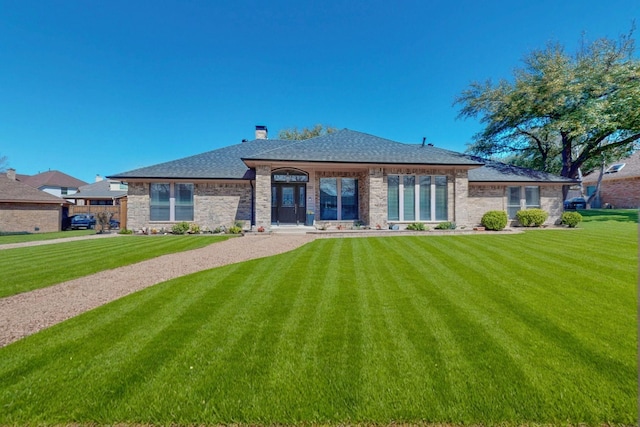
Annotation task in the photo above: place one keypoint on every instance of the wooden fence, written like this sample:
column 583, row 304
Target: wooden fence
column 118, row 212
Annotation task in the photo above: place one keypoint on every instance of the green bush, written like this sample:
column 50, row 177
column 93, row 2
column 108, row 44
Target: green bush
column 234, row 230
column 531, row 217
column 125, row 231
column 180, row 228
column 494, row 220
column 194, row 228
column 446, row 226
column 571, row 219
column 417, row 226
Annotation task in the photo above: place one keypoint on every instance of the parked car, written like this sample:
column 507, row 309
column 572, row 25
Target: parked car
column 575, row 203
column 113, row 223
column 83, row 221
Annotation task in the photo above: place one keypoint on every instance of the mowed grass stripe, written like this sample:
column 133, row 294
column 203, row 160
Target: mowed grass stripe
column 412, row 329
column 540, row 329
column 29, row 268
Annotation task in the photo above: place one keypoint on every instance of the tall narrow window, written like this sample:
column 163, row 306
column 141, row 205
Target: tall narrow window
column 328, row 198
column 513, row 201
column 441, row 198
column 425, row 198
column 532, row 197
column 348, row 198
column 393, row 197
column 160, row 196
column 409, row 196
column 184, row 202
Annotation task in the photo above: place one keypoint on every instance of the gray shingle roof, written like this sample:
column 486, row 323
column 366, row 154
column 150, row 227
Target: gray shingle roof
column 52, row 179
column 97, row 190
column 344, row 146
column 224, row 163
column 347, row 146
column 494, row 171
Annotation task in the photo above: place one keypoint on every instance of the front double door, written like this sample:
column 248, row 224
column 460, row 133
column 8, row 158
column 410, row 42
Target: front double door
column 288, row 203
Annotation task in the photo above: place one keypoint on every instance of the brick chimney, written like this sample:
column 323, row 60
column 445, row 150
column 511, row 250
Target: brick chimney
column 11, row 174
column 261, row 132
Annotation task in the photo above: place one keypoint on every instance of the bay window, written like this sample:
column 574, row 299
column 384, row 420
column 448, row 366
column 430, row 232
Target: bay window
column 417, row 197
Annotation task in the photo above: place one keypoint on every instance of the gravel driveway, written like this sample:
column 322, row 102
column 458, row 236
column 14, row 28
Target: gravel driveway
column 29, row 312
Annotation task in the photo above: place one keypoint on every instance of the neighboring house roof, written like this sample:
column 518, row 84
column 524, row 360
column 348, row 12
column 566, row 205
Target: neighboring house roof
column 344, row 146
column 97, row 190
column 631, row 169
column 12, row 191
column 51, row 179
column 494, row 171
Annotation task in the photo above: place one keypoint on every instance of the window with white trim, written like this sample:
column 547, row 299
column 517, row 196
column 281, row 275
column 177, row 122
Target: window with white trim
column 171, row 201
column 417, row 198
column 527, row 197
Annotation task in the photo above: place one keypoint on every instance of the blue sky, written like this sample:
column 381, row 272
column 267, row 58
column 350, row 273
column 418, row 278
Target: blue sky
column 90, row 87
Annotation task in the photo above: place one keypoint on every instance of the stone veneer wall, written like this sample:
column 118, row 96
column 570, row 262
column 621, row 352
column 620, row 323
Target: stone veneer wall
column 263, row 196
column 214, row 204
column 222, row 204
column 483, row 198
column 377, row 198
column 30, row 217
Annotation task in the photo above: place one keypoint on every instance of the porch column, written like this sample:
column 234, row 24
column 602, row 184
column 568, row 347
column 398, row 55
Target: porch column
column 377, row 198
column 461, row 197
column 263, row 196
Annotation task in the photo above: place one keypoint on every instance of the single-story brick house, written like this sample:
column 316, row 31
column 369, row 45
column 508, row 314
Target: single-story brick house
column 339, row 178
column 620, row 186
column 27, row 209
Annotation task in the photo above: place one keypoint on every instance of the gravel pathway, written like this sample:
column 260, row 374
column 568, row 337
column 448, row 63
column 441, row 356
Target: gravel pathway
column 27, row 313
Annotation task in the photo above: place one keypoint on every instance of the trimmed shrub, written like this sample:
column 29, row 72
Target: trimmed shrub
column 446, row 226
column 494, row 220
column 531, row 217
column 180, row 228
column 571, row 219
column 194, row 228
column 417, row 226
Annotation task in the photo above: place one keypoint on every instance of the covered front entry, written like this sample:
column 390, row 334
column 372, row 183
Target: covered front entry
column 288, row 196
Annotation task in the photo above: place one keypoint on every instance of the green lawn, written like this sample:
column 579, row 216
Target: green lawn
column 534, row 328
column 20, row 238
column 28, row 268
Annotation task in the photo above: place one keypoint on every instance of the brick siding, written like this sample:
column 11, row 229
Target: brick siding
column 621, row 193
column 30, row 217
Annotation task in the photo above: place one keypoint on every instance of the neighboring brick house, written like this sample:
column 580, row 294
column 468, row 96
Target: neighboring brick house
column 620, row 186
column 27, row 209
column 53, row 182
column 342, row 177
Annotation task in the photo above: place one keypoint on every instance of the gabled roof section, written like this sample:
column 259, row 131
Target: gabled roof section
column 12, row 191
column 347, row 146
column 631, row 169
column 97, row 190
column 223, row 163
column 493, row 171
column 52, row 179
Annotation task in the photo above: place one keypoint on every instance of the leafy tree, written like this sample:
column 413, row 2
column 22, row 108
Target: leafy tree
column 305, row 133
column 561, row 113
